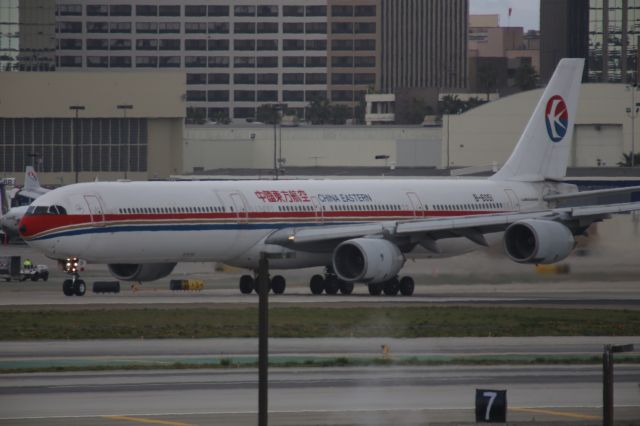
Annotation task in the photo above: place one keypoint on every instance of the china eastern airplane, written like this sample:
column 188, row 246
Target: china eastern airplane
column 31, row 190
column 361, row 231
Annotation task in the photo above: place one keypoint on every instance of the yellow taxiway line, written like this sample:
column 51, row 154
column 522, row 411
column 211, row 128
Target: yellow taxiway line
column 147, row 420
column 555, row 413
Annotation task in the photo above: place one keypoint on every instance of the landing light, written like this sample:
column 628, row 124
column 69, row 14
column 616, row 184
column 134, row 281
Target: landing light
column 71, row 264
column 291, row 237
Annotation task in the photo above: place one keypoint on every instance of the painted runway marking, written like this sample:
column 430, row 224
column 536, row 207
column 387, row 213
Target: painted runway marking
column 147, row 420
column 555, row 413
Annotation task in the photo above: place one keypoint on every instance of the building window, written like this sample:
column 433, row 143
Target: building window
column 195, row 61
column 314, row 95
column 218, row 62
column 146, row 27
column 169, row 62
column 316, row 27
column 244, row 11
column 365, row 78
column 316, row 45
column 70, row 61
column 120, row 27
column 292, row 10
column 244, row 112
column 219, row 27
column 244, row 45
column 267, row 96
column 244, row 79
column 169, row 27
column 147, row 44
column 292, row 61
column 195, row 44
column 97, row 44
column 316, row 78
column 146, row 61
column 271, row 78
column 341, row 44
column 169, row 10
column 195, row 10
column 70, row 44
column 97, row 10
column 267, row 61
column 218, row 45
column 69, row 27
column 196, row 78
column 365, row 44
column 292, row 44
column 195, row 27
column 365, row 27
column 267, row 27
column 97, row 27
column 244, row 27
column 341, row 96
column 267, row 10
column 365, row 11
column 316, row 10
column 120, row 44
column 244, row 96
column 196, row 95
column 218, row 78
column 342, row 61
column 218, row 11
column 292, row 27
column 218, row 114
column 97, row 61
column 342, row 28
column 365, row 61
column 146, row 10
column 341, row 10
column 316, row 61
column 341, row 78
column 120, row 61
column 292, row 96
column 267, row 44
column 218, row 96
column 244, row 62
column 69, row 10
column 293, row 78
column 120, row 10
column 169, row 44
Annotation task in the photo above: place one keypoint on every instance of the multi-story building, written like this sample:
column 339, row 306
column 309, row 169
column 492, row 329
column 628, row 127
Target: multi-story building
column 242, row 54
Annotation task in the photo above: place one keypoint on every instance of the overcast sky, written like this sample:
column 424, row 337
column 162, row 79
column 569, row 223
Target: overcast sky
column 525, row 13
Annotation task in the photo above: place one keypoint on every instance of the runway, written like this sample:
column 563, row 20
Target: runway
column 411, row 395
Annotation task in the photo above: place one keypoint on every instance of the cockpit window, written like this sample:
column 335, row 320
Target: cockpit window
column 46, row 210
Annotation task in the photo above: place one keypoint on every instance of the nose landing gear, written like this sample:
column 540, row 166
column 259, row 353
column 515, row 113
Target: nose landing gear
column 73, row 286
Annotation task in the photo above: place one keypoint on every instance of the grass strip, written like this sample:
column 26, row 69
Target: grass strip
column 319, row 362
column 402, row 322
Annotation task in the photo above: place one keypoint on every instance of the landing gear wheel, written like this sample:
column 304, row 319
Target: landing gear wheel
column 278, row 284
column 256, row 284
column 316, row 284
column 345, row 287
column 331, row 285
column 406, row 286
column 375, row 289
column 67, row 287
column 80, row 288
column 391, row 287
column 45, row 275
column 246, row 284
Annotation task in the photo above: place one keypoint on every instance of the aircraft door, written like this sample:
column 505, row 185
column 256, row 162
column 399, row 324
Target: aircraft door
column 240, row 206
column 95, row 210
column 513, row 199
column 317, row 208
column 416, row 204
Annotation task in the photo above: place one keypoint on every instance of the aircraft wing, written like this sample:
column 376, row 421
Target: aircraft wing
column 624, row 194
column 471, row 227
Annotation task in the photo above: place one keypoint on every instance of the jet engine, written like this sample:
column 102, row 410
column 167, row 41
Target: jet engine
column 538, row 241
column 367, row 260
column 140, row 272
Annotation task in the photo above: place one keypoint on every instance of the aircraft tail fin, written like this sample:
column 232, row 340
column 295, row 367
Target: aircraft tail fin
column 31, row 182
column 543, row 149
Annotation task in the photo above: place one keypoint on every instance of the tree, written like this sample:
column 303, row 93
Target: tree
column 626, row 160
column 221, row 118
column 526, row 77
column 339, row 113
column 487, row 78
column 267, row 114
column 416, row 111
column 196, row 115
column 319, row 111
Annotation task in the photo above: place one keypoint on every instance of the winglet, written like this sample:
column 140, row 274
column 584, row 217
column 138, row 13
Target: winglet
column 543, row 149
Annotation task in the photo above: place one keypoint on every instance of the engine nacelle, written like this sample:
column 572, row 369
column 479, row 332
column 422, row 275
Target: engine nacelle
column 140, row 272
column 367, row 260
column 538, row 241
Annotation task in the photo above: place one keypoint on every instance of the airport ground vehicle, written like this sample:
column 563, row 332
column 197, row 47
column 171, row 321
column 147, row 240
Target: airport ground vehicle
column 11, row 269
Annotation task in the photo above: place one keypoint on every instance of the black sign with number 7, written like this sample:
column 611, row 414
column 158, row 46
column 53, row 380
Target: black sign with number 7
column 491, row 406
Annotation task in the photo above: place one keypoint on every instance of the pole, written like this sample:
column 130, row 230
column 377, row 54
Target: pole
column 607, row 386
column 634, row 114
column 124, row 109
column 275, row 149
column 76, row 148
column 263, row 340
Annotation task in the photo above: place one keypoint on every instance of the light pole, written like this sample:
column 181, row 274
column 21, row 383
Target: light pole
column 124, row 108
column 277, row 109
column 76, row 136
column 632, row 113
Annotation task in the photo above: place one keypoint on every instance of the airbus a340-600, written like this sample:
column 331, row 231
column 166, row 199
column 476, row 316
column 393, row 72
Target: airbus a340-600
column 362, row 231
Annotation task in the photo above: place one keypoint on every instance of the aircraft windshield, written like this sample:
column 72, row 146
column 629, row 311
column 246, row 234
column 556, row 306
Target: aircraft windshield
column 46, row 210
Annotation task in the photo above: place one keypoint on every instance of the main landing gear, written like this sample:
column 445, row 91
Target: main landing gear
column 73, row 286
column 330, row 284
column 248, row 283
column 392, row 287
